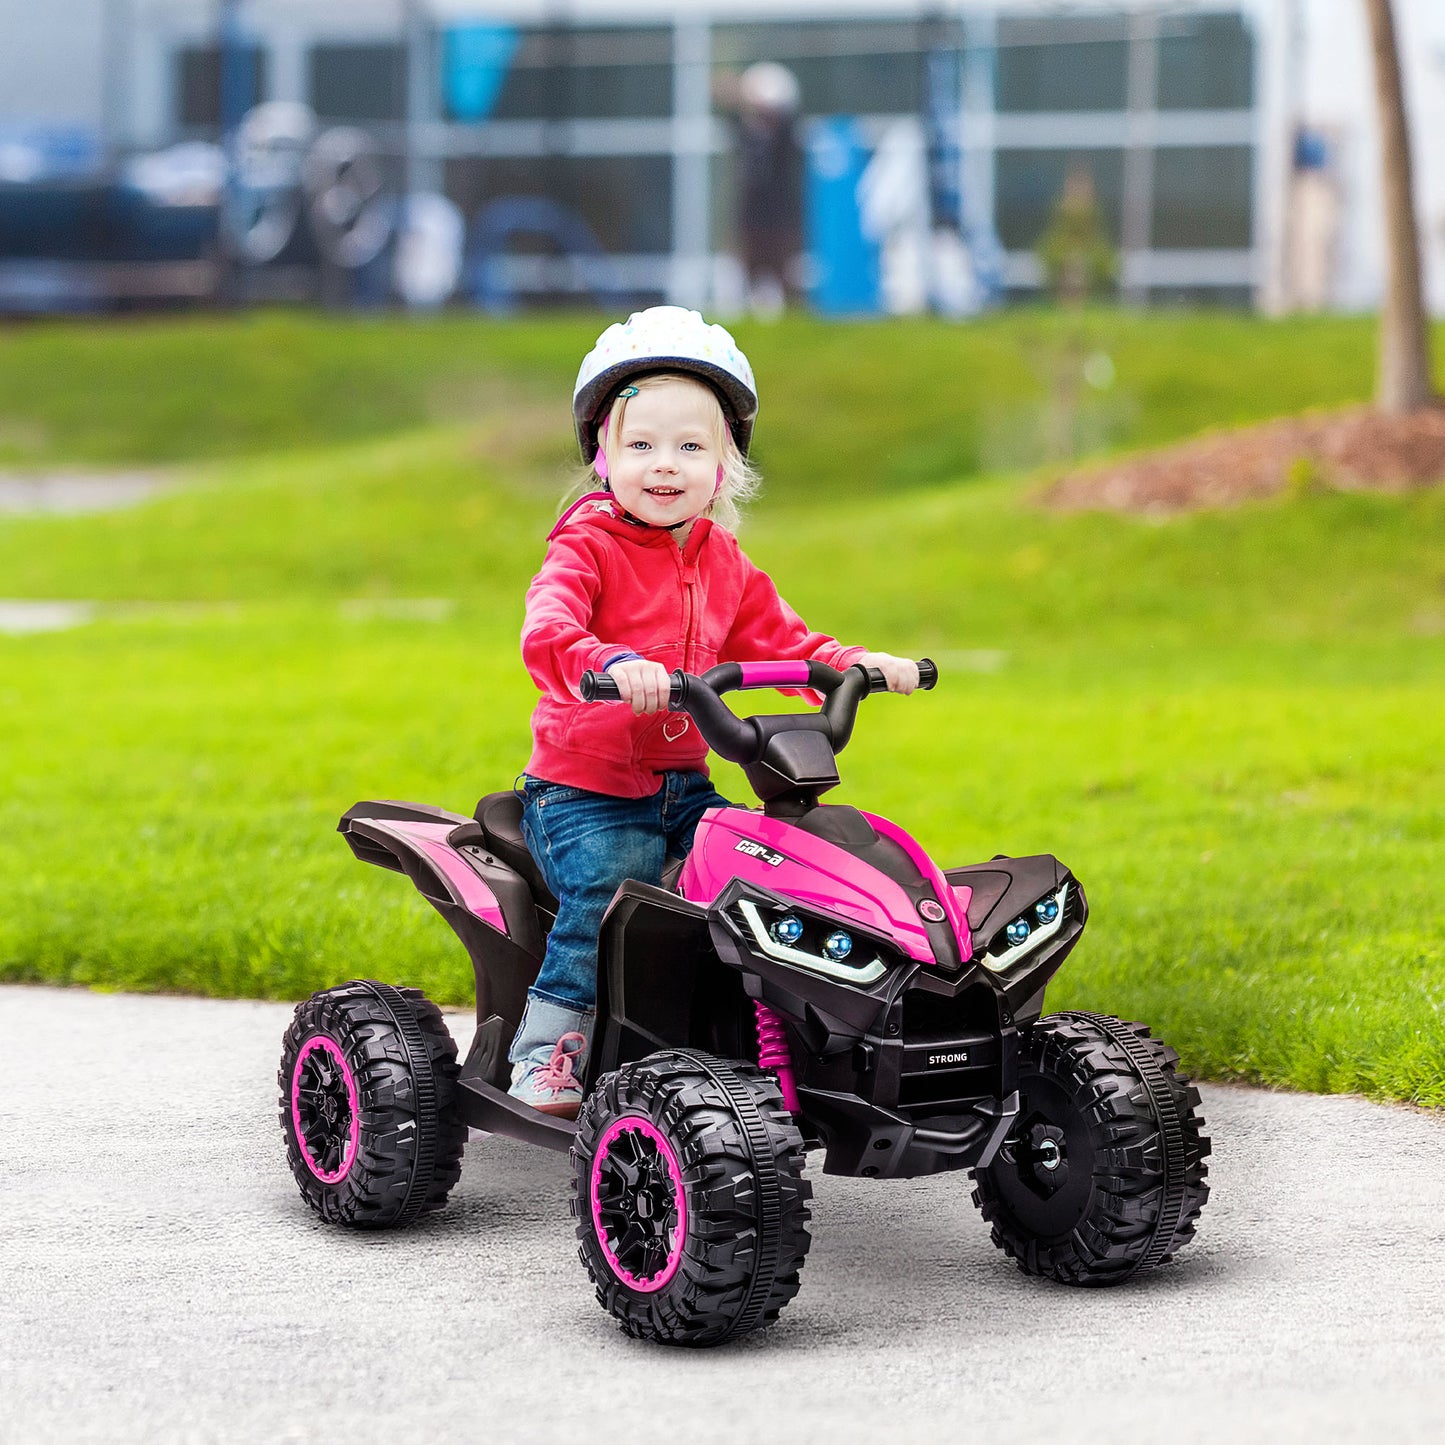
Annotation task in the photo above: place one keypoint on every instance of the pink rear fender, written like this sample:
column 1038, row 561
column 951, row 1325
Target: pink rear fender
column 429, row 842
column 738, row 843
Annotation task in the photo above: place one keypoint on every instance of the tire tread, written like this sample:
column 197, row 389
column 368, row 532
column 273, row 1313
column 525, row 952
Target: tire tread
column 1149, row 1176
column 411, row 1140
column 742, row 1158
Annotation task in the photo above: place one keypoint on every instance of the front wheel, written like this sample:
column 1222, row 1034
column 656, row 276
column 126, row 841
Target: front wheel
column 689, row 1197
column 1103, row 1172
column 368, row 1107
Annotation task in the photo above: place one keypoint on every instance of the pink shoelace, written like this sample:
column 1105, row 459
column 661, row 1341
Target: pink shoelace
column 557, row 1073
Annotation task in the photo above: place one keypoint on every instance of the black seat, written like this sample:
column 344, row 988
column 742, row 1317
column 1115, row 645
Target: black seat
column 500, row 815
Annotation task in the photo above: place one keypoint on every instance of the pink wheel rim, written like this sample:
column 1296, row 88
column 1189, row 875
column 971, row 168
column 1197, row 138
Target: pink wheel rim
column 328, row 1046
column 637, row 1208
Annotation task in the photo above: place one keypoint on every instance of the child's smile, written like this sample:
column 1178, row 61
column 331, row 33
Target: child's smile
column 663, row 464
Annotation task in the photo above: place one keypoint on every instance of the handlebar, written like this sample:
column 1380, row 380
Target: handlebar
column 739, row 740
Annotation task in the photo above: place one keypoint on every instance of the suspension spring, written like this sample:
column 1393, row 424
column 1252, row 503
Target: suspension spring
column 774, row 1053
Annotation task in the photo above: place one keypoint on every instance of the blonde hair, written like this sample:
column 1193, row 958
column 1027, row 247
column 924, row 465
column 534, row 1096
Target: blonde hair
column 740, row 479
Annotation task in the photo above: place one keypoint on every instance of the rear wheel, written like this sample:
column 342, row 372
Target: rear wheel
column 689, row 1198
column 1103, row 1174
column 368, row 1105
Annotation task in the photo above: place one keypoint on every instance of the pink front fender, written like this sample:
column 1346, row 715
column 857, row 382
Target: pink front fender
column 737, row 843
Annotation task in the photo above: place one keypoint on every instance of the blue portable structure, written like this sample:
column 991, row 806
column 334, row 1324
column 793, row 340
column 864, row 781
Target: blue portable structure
column 844, row 261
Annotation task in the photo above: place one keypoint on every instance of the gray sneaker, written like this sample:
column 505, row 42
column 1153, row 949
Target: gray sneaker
column 547, row 1080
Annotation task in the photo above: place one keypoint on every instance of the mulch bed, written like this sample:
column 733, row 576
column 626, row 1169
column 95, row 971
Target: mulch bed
column 1357, row 449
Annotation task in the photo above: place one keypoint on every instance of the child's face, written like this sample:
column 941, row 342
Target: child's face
column 664, row 462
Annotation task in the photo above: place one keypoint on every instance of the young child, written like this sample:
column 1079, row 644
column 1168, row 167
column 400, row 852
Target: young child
column 639, row 579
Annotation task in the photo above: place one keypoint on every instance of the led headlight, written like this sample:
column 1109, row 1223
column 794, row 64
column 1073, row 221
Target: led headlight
column 1029, row 932
column 787, row 930
column 781, row 939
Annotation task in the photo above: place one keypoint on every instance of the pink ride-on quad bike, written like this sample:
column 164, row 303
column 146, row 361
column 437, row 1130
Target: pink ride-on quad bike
column 807, row 978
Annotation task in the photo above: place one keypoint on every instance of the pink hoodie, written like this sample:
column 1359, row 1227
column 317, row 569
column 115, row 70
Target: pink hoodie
column 608, row 587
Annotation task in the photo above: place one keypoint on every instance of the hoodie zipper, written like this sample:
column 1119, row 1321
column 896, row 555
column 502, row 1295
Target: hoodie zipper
column 687, row 575
column 689, row 605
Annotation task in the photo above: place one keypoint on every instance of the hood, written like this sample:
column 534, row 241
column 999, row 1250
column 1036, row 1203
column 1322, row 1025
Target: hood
column 601, row 509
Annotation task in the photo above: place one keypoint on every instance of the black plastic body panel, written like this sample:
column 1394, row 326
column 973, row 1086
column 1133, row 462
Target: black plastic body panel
column 1005, row 888
column 660, row 984
column 797, row 758
column 503, row 964
column 488, row 1106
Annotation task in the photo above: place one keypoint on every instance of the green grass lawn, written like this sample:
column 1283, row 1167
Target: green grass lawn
column 853, row 409
column 1227, row 724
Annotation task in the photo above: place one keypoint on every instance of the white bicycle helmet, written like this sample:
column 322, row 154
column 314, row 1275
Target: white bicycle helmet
column 664, row 338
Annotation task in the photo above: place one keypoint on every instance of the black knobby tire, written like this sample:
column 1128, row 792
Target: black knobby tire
column 1103, row 1173
column 725, row 1255
column 368, row 1105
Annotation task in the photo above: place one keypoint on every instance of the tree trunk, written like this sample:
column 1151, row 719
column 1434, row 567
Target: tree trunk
column 1403, row 380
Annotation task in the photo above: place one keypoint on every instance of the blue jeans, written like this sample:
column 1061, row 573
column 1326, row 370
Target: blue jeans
column 586, row 844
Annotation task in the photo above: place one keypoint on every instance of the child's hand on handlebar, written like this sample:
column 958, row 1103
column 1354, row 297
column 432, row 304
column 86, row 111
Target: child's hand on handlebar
column 901, row 672
column 646, row 685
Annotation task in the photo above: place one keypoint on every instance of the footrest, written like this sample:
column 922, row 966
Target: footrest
column 484, row 1106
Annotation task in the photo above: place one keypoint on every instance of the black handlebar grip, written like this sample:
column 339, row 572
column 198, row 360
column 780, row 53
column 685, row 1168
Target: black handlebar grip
column 598, row 687
column 927, row 676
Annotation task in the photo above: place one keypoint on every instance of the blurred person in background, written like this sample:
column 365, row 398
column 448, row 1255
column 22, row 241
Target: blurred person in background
column 1315, row 209
column 764, row 102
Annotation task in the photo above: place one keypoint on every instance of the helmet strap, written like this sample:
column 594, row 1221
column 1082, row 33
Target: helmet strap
column 653, row 526
column 599, row 461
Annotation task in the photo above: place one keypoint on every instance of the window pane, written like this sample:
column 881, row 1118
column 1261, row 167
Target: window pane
column 198, row 83
column 1062, row 63
column 740, row 45
column 359, row 82
column 1028, row 185
column 859, row 84
column 864, row 67
column 1206, row 63
column 1202, row 197
column 1234, row 298
column 589, row 74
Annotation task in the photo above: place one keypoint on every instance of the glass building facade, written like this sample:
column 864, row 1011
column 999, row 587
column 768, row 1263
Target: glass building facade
column 616, row 124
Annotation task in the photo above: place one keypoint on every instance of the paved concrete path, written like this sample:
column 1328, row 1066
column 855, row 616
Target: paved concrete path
column 71, row 493
column 161, row 1280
